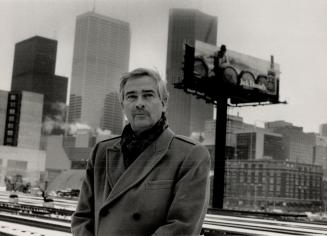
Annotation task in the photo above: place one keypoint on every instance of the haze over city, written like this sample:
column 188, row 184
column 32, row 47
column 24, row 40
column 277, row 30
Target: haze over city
column 294, row 31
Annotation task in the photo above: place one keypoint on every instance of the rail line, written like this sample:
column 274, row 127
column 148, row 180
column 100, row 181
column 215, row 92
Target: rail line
column 34, row 210
column 250, row 226
column 36, row 222
column 230, row 223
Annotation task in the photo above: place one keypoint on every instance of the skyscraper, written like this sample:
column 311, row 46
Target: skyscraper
column 112, row 114
column 34, row 71
column 187, row 114
column 101, row 55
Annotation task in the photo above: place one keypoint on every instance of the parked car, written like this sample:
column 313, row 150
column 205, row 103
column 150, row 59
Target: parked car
column 68, row 193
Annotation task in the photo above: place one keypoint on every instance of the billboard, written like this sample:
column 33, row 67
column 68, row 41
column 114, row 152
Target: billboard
column 243, row 78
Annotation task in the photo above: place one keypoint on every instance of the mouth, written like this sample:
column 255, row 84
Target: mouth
column 139, row 114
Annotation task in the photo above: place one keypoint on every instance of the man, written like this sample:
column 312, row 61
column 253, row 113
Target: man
column 149, row 181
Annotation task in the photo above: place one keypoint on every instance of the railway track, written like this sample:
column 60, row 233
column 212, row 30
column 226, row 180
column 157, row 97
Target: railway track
column 250, row 226
column 58, row 226
column 36, row 211
column 215, row 223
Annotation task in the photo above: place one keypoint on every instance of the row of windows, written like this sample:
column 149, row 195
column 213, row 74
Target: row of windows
column 272, row 191
column 277, row 172
column 260, row 178
column 307, row 169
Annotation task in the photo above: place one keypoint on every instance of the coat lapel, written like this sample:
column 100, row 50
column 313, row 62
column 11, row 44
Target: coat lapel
column 122, row 180
column 114, row 163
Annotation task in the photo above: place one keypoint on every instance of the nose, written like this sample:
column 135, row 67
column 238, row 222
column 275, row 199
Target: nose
column 139, row 103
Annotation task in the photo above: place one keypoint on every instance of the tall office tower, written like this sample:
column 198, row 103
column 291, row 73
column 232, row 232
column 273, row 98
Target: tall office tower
column 34, row 71
column 23, row 119
column 112, row 118
column 186, row 114
column 101, row 55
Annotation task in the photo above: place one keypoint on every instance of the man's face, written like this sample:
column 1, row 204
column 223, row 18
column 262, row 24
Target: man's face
column 142, row 104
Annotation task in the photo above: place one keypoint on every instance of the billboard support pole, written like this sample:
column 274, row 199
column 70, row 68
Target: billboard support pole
column 220, row 154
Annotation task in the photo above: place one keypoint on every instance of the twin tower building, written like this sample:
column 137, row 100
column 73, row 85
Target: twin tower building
column 101, row 54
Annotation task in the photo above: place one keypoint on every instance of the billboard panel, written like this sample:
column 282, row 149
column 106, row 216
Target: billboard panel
column 247, row 78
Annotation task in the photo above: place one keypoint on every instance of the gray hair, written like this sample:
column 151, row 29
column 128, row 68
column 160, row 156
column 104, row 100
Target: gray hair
column 154, row 75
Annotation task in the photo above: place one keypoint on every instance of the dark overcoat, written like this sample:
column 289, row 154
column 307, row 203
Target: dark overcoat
column 165, row 191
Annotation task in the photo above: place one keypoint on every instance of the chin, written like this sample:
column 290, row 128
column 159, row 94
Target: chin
column 142, row 127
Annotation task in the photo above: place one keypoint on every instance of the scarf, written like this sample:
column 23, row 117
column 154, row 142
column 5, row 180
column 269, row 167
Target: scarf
column 132, row 146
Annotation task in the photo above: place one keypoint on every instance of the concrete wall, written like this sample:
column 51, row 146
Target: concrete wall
column 3, row 112
column 57, row 158
column 30, row 120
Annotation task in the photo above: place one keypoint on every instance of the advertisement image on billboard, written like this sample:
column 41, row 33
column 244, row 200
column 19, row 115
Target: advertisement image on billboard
column 244, row 78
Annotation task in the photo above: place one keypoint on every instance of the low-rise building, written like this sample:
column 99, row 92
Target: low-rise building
column 270, row 184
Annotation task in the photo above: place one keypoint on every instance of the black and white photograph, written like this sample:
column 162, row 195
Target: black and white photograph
column 163, row 117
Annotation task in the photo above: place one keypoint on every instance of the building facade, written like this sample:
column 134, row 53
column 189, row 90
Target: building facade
column 3, row 114
column 187, row 114
column 101, row 55
column 23, row 120
column 112, row 118
column 298, row 146
column 269, row 184
column 21, row 160
column 234, row 124
column 258, row 144
column 34, row 71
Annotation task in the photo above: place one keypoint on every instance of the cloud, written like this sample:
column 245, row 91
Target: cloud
column 103, row 132
column 73, row 128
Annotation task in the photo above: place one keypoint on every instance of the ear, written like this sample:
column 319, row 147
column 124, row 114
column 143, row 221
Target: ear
column 164, row 105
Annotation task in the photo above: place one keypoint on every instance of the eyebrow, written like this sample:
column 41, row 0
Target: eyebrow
column 143, row 91
column 148, row 91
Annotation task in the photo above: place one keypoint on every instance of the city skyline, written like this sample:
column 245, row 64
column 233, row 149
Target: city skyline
column 294, row 31
column 101, row 55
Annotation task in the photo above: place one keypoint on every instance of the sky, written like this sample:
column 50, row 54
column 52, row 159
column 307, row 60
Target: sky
column 294, row 31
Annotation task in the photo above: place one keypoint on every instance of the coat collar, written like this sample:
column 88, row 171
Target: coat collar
column 122, row 180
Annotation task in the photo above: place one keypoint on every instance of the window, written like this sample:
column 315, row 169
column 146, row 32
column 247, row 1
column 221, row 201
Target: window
column 11, row 118
column 10, row 133
column 12, row 111
column 9, row 140
column 13, row 97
